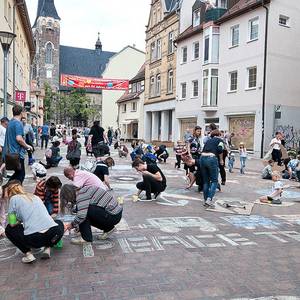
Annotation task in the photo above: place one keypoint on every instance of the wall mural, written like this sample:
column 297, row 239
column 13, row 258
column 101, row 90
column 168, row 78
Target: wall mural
column 292, row 135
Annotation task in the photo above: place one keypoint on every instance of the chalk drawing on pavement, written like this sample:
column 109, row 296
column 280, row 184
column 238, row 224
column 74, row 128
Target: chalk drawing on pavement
column 169, row 223
column 270, row 298
column 294, row 219
column 87, row 250
column 286, row 194
column 251, row 222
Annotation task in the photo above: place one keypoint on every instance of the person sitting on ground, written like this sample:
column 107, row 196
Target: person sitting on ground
column 161, row 153
column 148, row 155
column 102, row 171
column 52, row 155
column 123, row 151
column 83, row 178
column 294, row 168
column 95, row 207
column 73, row 151
column 277, row 190
column 267, row 170
column 34, row 227
column 39, row 171
column 154, row 181
column 48, row 192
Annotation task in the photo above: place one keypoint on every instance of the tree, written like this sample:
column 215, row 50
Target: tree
column 49, row 103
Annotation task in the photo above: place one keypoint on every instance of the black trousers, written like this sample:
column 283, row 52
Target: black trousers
column 222, row 172
column 276, row 156
column 74, row 161
column 19, row 174
column 150, row 185
column 36, row 240
column 98, row 217
column 178, row 161
column 45, row 139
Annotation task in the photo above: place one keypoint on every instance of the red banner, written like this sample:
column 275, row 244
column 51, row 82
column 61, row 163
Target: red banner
column 21, row 96
column 73, row 81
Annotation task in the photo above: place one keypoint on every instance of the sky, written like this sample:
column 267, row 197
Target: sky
column 120, row 22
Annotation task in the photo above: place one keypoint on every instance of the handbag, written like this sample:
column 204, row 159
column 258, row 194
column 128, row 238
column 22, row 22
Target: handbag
column 12, row 160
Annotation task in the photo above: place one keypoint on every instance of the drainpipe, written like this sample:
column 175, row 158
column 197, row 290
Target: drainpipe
column 264, row 80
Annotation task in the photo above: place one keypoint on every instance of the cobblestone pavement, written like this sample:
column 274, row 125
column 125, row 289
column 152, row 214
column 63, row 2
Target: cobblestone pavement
column 172, row 248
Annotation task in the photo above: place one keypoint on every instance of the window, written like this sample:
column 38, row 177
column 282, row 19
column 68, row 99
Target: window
column 235, row 35
column 205, row 87
column 214, row 87
column 196, row 18
column 284, row 20
column 124, row 108
column 153, row 52
column 170, row 42
column 133, row 88
column 138, row 87
column 196, row 50
column 195, row 88
column 158, row 49
column 170, row 82
column 49, row 74
column 158, row 85
column 253, row 29
column 222, row 4
column 183, row 55
column 206, row 49
column 233, row 81
column 133, row 106
column 183, row 90
column 49, row 53
column 152, row 86
column 252, row 77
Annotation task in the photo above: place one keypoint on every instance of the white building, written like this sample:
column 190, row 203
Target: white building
column 230, row 69
column 123, row 65
column 131, row 108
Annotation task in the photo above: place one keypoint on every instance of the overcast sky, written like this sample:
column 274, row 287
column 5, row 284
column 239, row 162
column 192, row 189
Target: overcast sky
column 120, row 22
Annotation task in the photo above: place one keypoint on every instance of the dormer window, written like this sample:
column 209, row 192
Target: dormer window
column 221, row 4
column 196, row 18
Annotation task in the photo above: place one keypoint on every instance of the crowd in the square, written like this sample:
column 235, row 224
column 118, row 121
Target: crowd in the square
column 34, row 220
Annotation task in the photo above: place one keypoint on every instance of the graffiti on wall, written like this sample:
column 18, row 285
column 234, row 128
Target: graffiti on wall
column 292, row 135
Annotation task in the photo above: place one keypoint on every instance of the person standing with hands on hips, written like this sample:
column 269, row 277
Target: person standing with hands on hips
column 15, row 144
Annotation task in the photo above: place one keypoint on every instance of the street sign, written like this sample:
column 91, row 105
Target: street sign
column 20, row 96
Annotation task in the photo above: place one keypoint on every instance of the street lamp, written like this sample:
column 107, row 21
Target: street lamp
column 6, row 39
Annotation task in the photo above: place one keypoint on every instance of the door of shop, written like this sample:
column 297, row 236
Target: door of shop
column 243, row 128
column 187, row 124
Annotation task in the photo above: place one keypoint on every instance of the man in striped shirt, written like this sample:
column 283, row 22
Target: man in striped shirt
column 95, row 207
column 48, row 192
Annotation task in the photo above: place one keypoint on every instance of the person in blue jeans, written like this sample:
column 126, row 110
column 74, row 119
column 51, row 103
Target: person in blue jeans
column 45, row 136
column 15, row 142
column 243, row 157
column 210, row 159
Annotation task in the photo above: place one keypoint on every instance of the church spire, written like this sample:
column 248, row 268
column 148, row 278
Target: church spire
column 46, row 8
column 98, row 45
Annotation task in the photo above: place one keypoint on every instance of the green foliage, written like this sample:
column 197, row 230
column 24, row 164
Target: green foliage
column 49, row 104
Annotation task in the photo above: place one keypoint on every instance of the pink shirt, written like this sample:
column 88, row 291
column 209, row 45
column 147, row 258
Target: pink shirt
column 84, row 178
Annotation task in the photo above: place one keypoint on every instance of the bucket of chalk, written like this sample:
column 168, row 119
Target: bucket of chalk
column 59, row 244
column 12, row 219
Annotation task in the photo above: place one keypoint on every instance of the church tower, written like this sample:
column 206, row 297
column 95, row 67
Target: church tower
column 46, row 32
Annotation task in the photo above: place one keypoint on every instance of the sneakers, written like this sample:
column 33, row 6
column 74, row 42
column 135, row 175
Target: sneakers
column 46, row 253
column 28, row 258
column 210, row 203
column 78, row 241
column 105, row 235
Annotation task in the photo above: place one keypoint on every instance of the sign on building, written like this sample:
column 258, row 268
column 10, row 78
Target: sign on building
column 20, row 96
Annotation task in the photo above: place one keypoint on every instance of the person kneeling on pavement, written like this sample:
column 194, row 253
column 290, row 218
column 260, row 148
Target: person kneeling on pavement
column 34, row 227
column 154, row 181
column 95, row 207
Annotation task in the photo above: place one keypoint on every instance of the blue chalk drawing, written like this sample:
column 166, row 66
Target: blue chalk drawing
column 251, row 222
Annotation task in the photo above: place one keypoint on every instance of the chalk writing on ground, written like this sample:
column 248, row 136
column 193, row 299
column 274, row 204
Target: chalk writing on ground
column 251, row 222
column 294, row 219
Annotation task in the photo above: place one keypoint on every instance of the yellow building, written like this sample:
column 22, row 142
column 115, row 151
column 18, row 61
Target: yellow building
column 14, row 18
column 160, row 71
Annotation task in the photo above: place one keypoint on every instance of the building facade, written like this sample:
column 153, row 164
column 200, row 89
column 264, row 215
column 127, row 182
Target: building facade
column 123, row 65
column 131, row 108
column 160, row 71
column 221, row 67
column 14, row 18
